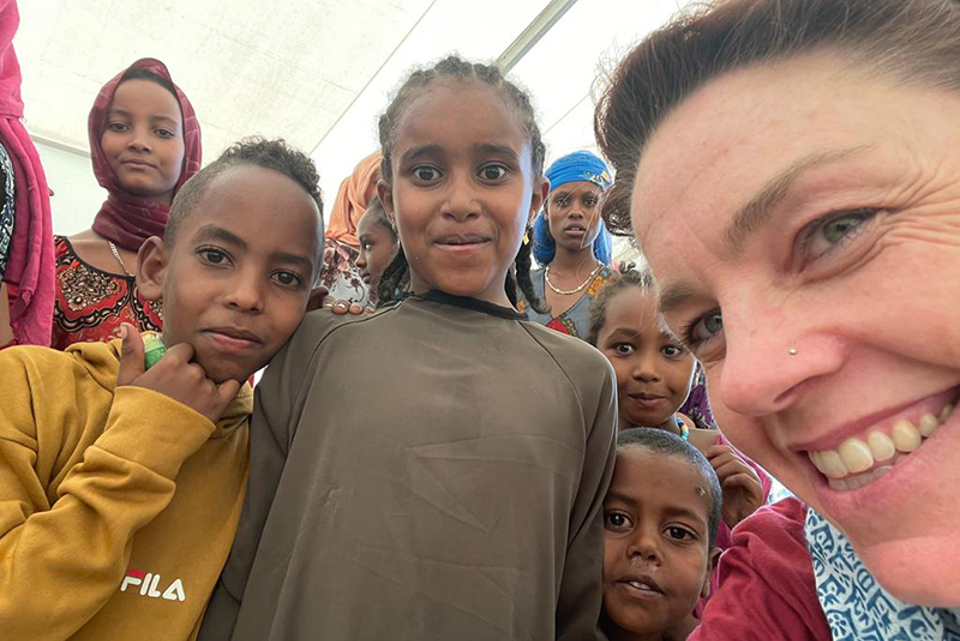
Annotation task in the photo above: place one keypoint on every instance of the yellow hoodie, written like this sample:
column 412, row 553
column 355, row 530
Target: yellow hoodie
column 117, row 506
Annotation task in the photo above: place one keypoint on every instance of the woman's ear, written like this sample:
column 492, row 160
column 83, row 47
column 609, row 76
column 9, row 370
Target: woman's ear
column 385, row 193
column 712, row 558
column 152, row 262
column 540, row 193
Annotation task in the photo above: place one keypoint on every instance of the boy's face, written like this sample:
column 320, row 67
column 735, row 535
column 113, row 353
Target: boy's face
column 236, row 282
column 656, row 555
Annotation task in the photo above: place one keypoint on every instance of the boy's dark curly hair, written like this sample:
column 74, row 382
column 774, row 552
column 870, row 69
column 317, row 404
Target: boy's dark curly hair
column 254, row 151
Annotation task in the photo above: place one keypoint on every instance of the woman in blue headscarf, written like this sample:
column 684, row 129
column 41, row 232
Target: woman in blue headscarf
column 571, row 244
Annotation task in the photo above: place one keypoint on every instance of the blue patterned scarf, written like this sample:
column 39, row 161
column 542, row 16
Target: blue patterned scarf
column 856, row 606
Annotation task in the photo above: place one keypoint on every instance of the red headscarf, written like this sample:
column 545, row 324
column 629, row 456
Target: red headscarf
column 30, row 270
column 356, row 192
column 125, row 218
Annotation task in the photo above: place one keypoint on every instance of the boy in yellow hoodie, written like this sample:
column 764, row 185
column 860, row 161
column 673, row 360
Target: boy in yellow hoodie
column 120, row 487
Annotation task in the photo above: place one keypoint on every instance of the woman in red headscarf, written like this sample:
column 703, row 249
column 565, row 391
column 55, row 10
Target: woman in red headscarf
column 145, row 144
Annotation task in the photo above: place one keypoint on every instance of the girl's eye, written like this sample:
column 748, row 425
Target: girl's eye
column 562, row 202
column 118, row 127
column 590, row 202
column 493, row 172
column 366, row 245
column 213, row 256
column 165, row 133
column 825, row 234
column 672, row 351
column 288, row 279
column 624, row 349
column 616, row 521
column 680, row 534
column 425, row 173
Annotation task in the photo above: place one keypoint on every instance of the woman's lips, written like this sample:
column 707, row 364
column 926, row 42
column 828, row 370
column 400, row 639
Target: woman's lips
column 137, row 164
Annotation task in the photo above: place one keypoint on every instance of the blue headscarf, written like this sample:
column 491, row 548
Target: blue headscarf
column 580, row 166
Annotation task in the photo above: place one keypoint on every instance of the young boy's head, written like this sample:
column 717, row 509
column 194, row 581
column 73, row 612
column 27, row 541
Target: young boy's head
column 660, row 515
column 241, row 252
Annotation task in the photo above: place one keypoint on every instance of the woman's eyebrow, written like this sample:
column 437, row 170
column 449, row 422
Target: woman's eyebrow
column 753, row 216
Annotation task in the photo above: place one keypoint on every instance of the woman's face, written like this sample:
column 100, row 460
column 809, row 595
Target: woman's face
column 802, row 207
column 143, row 139
column 573, row 214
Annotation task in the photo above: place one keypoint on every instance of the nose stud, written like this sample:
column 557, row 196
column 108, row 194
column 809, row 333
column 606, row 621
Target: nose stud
column 792, row 351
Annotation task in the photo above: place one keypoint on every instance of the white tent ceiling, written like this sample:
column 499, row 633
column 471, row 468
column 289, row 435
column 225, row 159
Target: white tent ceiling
column 316, row 72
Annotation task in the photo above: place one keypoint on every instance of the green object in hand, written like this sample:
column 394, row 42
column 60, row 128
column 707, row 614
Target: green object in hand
column 154, row 349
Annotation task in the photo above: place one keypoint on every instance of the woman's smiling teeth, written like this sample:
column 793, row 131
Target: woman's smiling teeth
column 857, row 463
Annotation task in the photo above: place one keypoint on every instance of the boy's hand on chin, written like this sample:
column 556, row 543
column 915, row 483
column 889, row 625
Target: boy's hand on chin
column 174, row 376
column 742, row 489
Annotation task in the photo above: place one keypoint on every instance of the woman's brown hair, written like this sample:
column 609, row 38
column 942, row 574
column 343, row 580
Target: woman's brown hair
column 915, row 41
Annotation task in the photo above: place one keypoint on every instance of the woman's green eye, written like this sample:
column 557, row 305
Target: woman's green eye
column 837, row 229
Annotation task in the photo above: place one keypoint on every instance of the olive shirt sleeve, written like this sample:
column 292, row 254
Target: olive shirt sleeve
column 278, row 403
column 580, row 600
column 63, row 553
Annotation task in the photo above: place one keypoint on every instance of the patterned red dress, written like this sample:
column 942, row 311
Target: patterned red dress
column 91, row 303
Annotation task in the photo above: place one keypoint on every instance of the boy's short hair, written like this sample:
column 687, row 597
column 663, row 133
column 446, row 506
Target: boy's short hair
column 254, row 151
column 663, row 442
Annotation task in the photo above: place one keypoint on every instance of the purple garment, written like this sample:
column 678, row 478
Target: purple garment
column 698, row 402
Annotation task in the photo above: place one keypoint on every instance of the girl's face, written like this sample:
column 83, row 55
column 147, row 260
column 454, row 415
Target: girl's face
column 574, row 215
column 803, row 220
column 654, row 372
column 463, row 189
column 377, row 248
column 143, row 139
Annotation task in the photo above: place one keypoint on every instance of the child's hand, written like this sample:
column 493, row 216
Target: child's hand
column 742, row 490
column 320, row 298
column 341, row 307
column 174, row 376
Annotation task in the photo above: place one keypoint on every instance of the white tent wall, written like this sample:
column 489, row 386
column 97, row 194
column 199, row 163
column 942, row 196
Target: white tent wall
column 76, row 195
column 316, row 72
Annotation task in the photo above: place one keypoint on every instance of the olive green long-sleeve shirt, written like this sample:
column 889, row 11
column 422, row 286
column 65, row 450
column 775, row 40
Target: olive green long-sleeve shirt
column 433, row 471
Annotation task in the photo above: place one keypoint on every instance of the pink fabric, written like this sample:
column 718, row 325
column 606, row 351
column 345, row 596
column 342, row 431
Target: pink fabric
column 30, row 268
column 724, row 533
column 125, row 218
column 11, row 106
column 767, row 589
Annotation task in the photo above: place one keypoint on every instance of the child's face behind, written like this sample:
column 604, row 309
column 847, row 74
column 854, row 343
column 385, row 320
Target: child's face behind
column 463, row 189
column 236, row 282
column 377, row 249
column 656, row 554
column 654, row 372
column 143, row 139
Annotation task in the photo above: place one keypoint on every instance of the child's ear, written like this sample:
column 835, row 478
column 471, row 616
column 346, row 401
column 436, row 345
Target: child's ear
column 711, row 566
column 385, row 193
column 540, row 193
column 152, row 262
